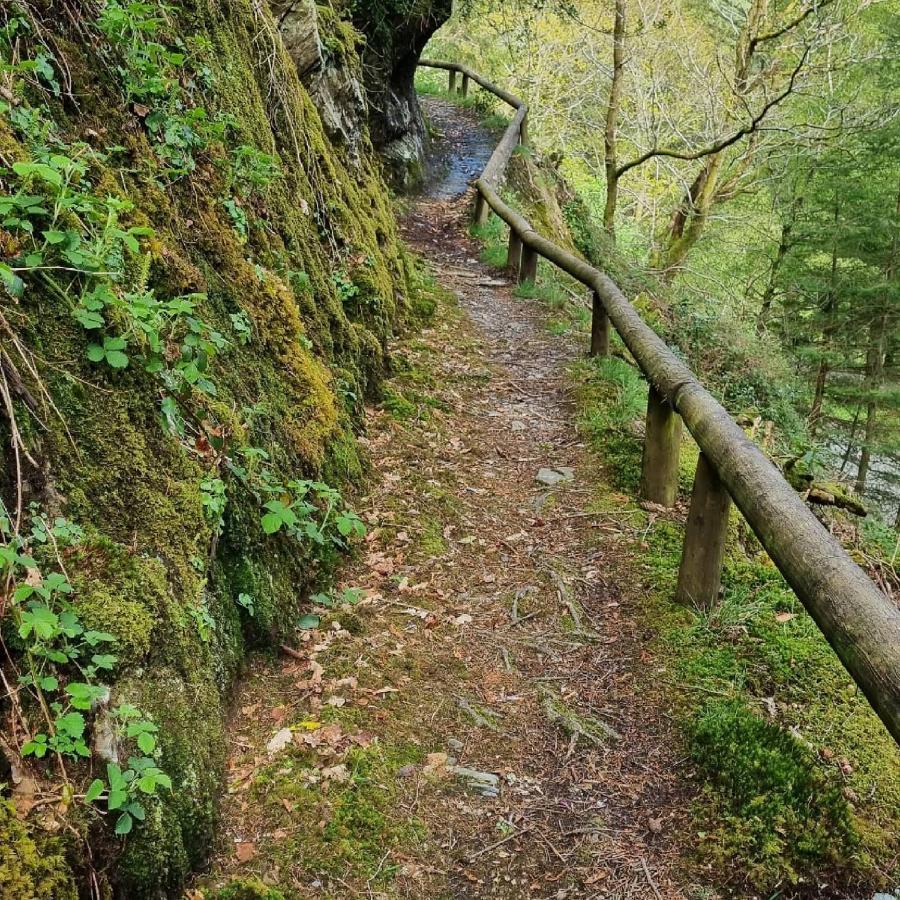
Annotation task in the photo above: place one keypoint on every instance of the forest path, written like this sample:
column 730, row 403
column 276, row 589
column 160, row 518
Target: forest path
column 479, row 724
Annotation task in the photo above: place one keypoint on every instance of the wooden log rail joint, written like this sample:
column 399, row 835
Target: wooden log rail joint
column 857, row 619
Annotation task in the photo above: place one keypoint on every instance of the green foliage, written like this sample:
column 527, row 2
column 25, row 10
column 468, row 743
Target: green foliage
column 127, row 789
column 63, row 661
column 781, row 815
column 349, row 596
column 346, row 289
column 151, row 76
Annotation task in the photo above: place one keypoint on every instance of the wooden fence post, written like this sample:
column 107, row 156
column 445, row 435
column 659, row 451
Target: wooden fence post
column 465, row 86
column 482, row 210
column 705, row 535
column 599, row 328
column 523, row 132
column 452, row 84
column 529, row 268
column 662, row 445
column 514, row 254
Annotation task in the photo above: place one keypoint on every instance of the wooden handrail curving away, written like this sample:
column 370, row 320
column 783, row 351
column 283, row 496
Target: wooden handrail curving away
column 857, row 619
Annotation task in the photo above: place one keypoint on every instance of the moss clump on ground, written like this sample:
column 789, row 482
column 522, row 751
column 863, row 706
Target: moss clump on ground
column 244, row 889
column 776, row 808
column 359, row 811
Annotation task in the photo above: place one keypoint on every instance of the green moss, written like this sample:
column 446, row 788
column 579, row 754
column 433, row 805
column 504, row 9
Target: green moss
column 31, row 865
column 362, row 816
column 777, row 811
column 179, row 829
column 152, row 560
column 431, row 540
column 119, row 592
column 244, row 889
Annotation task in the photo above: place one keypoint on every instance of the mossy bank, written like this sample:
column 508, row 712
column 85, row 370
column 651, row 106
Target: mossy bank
column 207, row 372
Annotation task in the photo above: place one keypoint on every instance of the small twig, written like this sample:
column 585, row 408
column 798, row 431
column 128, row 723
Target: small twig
column 499, row 843
column 650, row 880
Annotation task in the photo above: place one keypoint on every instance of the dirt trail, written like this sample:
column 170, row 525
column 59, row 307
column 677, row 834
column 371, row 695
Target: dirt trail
column 493, row 635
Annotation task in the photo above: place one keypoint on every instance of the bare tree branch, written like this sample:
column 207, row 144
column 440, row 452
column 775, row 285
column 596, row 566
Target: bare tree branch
column 724, row 143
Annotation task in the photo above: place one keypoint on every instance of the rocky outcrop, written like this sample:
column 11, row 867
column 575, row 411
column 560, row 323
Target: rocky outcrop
column 396, row 33
column 323, row 47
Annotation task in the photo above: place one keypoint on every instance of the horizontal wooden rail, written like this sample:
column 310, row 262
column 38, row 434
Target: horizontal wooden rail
column 857, row 619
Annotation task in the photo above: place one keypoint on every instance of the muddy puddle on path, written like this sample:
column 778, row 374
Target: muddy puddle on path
column 460, row 149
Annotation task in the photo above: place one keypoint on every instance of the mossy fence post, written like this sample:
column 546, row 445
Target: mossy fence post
column 482, row 210
column 599, row 327
column 465, row 86
column 514, row 253
column 705, row 536
column 529, row 268
column 451, row 87
column 662, row 446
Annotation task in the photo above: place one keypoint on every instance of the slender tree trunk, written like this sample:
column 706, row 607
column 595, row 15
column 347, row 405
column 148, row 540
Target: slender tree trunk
column 875, row 359
column 784, row 245
column 874, row 373
column 610, row 137
column 815, row 412
column 692, row 214
column 850, row 439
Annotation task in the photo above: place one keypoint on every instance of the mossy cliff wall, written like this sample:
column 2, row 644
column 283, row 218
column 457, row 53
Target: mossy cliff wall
column 396, row 33
column 304, row 277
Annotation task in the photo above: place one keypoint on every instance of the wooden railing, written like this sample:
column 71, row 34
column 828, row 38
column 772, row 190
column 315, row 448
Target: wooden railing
column 857, row 619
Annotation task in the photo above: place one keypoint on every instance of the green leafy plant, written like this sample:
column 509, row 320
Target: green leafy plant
column 127, row 790
column 248, row 603
column 62, row 662
column 214, row 499
column 243, row 326
column 349, row 596
column 343, row 284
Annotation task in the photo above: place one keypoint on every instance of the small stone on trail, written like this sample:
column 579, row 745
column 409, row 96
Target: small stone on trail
column 485, row 783
column 518, row 425
column 556, row 475
column 455, row 745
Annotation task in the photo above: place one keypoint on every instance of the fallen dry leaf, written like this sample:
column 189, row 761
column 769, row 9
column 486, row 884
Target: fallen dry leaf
column 279, row 741
column 244, row 851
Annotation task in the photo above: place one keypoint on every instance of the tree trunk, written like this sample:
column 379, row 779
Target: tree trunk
column 874, row 373
column 691, row 216
column 612, row 117
column 850, row 440
column 815, row 411
column 784, row 245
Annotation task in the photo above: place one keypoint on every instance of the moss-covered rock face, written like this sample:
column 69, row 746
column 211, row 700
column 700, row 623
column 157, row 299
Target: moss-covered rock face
column 237, row 194
column 29, row 866
column 396, row 33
